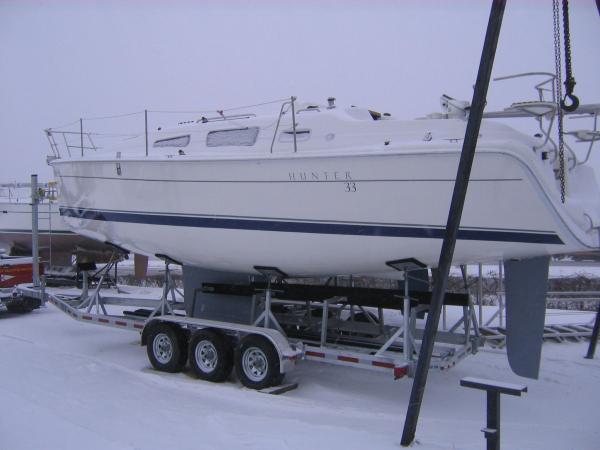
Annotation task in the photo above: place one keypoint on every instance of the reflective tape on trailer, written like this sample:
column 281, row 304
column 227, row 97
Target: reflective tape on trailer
column 113, row 321
column 346, row 358
column 117, row 322
column 99, row 319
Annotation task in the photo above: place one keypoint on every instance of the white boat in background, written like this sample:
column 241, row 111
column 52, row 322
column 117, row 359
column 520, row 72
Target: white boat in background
column 325, row 190
column 57, row 241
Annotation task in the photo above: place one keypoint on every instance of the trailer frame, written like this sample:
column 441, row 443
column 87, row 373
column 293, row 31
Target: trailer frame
column 385, row 354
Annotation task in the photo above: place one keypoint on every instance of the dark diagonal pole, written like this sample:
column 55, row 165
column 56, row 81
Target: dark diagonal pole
column 454, row 216
column 594, row 339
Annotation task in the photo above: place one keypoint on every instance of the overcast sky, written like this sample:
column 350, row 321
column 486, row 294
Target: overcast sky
column 62, row 60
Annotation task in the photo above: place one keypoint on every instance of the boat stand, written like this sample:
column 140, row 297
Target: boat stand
column 166, row 306
column 91, row 303
column 94, row 300
column 266, row 317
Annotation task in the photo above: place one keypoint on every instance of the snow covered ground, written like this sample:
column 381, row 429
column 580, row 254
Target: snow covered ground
column 69, row 385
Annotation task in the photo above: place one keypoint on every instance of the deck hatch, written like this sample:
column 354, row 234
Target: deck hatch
column 177, row 141
column 232, row 137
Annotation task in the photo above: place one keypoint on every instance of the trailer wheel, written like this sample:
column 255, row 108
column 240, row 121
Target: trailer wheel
column 210, row 355
column 166, row 348
column 18, row 308
column 257, row 363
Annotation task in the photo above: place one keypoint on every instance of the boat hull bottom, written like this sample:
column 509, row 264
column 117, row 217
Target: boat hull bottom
column 298, row 254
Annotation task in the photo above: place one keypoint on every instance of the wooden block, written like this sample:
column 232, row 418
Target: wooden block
column 281, row 389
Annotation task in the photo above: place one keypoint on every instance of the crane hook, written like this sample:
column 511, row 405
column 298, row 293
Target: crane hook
column 574, row 103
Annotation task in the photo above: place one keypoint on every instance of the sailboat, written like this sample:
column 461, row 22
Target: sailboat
column 57, row 241
column 320, row 189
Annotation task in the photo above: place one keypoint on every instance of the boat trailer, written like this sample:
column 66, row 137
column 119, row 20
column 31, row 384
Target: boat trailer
column 288, row 322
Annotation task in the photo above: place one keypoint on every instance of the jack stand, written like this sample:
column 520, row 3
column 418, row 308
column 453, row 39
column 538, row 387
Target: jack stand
column 408, row 343
column 267, row 317
column 165, row 305
column 95, row 299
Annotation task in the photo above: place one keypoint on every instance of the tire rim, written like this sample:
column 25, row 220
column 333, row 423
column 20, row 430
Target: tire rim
column 162, row 348
column 206, row 356
column 255, row 364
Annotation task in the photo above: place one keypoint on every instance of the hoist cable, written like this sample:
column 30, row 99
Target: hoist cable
column 569, row 79
column 558, row 94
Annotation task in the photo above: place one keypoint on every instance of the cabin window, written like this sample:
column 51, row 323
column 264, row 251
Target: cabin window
column 288, row 136
column 178, row 141
column 232, row 137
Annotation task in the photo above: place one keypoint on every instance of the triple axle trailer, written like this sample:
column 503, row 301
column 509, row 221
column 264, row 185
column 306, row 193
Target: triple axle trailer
column 262, row 329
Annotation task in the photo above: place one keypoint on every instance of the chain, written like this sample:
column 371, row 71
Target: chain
column 570, row 80
column 558, row 87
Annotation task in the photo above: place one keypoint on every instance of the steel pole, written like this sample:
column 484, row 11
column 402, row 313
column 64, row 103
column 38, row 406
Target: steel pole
column 500, row 296
column 35, row 250
column 146, row 128
column 454, row 216
column 293, row 100
column 594, row 339
column 480, row 293
column 407, row 347
column 493, row 420
column 81, row 134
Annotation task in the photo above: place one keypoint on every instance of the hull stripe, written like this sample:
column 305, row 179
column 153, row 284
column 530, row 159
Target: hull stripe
column 28, row 231
column 286, row 226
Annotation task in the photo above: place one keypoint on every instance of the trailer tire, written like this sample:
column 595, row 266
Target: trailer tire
column 211, row 355
column 18, row 308
column 257, row 363
column 166, row 348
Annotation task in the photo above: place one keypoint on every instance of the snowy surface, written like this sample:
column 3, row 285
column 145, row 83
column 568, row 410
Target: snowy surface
column 70, row 385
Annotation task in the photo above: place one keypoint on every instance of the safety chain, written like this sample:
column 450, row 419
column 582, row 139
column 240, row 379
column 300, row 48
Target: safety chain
column 570, row 80
column 558, row 87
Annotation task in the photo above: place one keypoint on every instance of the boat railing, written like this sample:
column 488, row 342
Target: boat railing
column 72, row 142
column 85, row 142
column 547, row 107
column 540, row 109
column 219, row 118
column 290, row 104
column 591, row 136
column 541, row 87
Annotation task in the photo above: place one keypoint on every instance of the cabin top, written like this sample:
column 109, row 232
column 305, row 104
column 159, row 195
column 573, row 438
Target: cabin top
column 307, row 128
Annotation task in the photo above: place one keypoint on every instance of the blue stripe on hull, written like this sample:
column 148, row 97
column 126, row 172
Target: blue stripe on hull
column 287, row 226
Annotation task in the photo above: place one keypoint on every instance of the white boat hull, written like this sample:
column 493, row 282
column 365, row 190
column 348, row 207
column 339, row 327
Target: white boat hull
column 323, row 214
